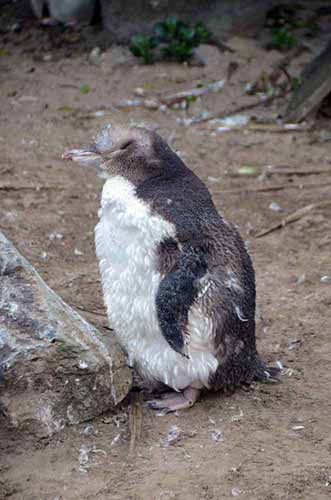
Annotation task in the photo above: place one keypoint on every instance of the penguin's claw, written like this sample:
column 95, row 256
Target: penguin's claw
column 173, row 401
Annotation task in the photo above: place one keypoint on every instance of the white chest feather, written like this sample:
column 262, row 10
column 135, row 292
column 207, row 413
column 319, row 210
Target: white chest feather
column 127, row 237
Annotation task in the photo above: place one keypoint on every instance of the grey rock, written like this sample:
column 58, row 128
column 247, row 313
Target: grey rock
column 124, row 18
column 56, row 369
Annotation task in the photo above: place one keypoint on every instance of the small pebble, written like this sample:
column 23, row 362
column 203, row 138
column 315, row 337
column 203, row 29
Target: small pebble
column 279, row 364
column 217, row 435
column 97, row 114
column 55, row 236
column 293, row 344
column 301, row 279
column 78, row 252
column 95, row 56
column 139, row 92
column 275, row 207
column 235, row 492
column 326, row 280
column 129, row 103
column 89, row 431
column 116, row 439
column 174, row 435
column 151, row 104
column 47, row 58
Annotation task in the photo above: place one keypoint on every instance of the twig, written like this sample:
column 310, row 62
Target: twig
column 239, row 109
column 8, row 187
column 6, row 170
column 135, row 419
column 283, row 170
column 196, row 92
column 277, row 187
column 293, row 217
column 278, row 129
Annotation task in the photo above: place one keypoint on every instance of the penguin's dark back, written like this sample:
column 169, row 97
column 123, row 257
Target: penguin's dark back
column 181, row 197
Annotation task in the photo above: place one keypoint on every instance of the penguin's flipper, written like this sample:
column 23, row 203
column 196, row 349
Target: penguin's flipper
column 176, row 293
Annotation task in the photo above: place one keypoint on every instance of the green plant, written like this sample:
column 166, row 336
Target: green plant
column 295, row 83
column 176, row 39
column 282, row 39
column 84, row 89
column 142, row 46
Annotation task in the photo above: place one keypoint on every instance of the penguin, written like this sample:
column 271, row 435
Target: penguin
column 178, row 281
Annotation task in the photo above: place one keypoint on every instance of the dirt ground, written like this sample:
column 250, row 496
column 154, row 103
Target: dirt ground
column 269, row 442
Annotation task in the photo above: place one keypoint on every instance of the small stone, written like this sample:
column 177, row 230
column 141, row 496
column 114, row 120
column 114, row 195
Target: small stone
column 95, row 56
column 293, row 344
column 55, row 236
column 173, row 436
column 151, row 104
column 326, row 280
column 217, row 435
column 129, row 103
column 139, row 92
column 97, row 114
column 116, row 439
column 298, row 427
column 235, row 492
column 89, row 431
column 275, row 207
column 78, row 253
column 301, row 279
column 279, row 364
column 84, row 458
column 47, row 57
column 44, row 255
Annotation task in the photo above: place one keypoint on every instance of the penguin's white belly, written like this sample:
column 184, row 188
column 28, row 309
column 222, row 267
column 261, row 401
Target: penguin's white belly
column 127, row 237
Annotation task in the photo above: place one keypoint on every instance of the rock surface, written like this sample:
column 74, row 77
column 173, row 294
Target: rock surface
column 222, row 17
column 56, row 369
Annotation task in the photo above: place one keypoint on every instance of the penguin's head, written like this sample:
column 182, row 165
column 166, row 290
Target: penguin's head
column 134, row 153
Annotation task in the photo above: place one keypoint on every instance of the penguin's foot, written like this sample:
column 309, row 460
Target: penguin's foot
column 172, row 401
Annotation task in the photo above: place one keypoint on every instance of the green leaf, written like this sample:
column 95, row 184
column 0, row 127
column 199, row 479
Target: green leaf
column 84, row 89
column 171, row 25
column 186, row 34
column 142, row 46
column 247, row 170
column 4, row 52
column 160, row 32
column 66, row 109
column 201, row 33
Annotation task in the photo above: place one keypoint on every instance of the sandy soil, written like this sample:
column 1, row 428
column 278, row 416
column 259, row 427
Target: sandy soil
column 269, row 442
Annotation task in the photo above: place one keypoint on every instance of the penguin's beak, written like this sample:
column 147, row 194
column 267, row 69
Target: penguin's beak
column 88, row 157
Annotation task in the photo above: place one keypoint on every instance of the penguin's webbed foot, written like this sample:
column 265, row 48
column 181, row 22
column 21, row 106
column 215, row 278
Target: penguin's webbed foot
column 173, row 401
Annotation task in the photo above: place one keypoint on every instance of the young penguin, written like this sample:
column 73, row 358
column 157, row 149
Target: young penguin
column 178, row 282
